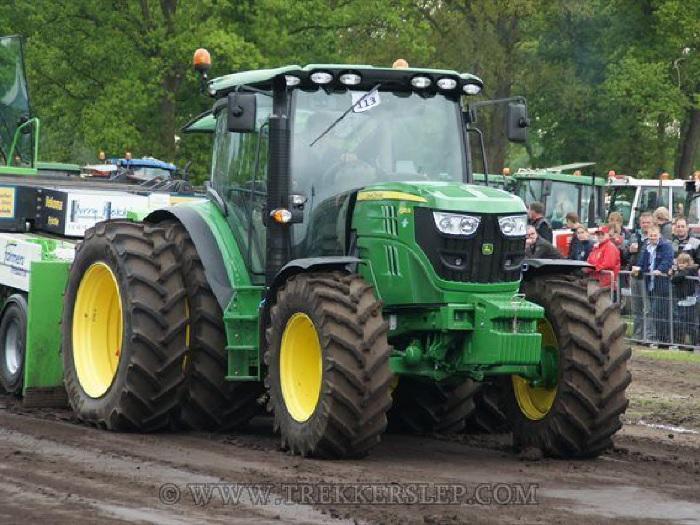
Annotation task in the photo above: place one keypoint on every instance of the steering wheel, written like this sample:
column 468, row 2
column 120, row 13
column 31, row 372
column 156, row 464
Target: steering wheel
column 398, row 176
column 331, row 177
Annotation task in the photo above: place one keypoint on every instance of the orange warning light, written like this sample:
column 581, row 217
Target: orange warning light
column 201, row 60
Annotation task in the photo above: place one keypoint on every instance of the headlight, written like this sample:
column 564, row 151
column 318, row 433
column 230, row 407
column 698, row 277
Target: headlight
column 321, row 77
column 291, row 80
column 513, row 225
column 472, row 89
column 447, row 83
column 455, row 223
column 421, row 82
column 350, row 79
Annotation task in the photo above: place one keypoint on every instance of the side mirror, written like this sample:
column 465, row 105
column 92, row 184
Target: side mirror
column 241, row 112
column 517, row 122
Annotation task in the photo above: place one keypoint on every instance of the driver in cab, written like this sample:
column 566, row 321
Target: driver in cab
column 326, row 159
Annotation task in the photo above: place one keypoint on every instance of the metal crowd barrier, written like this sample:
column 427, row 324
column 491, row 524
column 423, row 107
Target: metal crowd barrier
column 658, row 311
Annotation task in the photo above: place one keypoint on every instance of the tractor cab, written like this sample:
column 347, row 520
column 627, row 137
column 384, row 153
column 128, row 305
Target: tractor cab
column 19, row 129
column 18, row 132
column 563, row 189
column 348, row 129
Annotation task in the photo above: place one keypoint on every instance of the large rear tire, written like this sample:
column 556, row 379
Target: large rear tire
column 210, row 402
column 577, row 417
column 13, row 340
column 124, row 328
column 328, row 365
column 423, row 407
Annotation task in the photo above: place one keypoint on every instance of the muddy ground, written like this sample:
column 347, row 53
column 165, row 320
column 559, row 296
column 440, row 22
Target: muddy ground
column 55, row 470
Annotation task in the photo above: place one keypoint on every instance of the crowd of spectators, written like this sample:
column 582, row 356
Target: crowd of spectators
column 661, row 257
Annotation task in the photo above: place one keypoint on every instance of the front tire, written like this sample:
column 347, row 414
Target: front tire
column 13, row 340
column 328, row 365
column 578, row 417
column 124, row 328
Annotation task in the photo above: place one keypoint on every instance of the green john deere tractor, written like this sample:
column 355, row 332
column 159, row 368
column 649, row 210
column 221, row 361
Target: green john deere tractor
column 344, row 272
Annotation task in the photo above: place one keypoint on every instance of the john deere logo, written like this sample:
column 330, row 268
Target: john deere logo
column 487, row 248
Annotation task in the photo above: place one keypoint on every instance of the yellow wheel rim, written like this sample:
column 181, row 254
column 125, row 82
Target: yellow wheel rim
column 97, row 329
column 301, row 367
column 536, row 402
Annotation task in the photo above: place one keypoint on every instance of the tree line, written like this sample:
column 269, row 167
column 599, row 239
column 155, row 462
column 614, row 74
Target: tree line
column 611, row 81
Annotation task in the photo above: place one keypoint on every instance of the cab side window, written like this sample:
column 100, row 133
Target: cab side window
column 239, row 176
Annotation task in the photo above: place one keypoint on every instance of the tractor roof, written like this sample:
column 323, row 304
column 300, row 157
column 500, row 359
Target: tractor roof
column 370, row 76
column 554, row 174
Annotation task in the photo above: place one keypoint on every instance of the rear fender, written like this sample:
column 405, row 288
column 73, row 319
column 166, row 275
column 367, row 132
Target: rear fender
column 223, row 262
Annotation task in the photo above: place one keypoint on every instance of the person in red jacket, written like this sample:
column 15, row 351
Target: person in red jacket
column 605, row 258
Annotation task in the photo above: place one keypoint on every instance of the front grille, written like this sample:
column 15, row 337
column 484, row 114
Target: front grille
column 461, row 258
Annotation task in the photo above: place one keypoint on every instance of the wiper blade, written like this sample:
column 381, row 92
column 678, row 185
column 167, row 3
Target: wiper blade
column 341, row 117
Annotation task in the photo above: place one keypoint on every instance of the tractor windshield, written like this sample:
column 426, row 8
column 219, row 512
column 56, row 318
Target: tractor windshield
column 385, row 137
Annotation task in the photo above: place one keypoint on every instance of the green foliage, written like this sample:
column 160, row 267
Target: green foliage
column 603, row 85
column 667, row 355
column 610, row 81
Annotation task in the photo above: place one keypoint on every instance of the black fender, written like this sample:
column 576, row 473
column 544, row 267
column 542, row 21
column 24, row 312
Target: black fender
column 207, row 249
column 536, row 267
column 340, row 262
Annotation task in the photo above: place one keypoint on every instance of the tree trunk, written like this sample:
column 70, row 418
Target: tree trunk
column 170, row 84
column 495, row 134
column 506, row 27
column 689, row 143
column 660, row 156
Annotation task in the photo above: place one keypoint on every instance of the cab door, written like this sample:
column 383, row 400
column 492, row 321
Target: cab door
column 239, row 176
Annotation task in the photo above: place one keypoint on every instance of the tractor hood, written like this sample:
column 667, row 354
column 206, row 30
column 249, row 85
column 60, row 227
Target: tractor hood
column 447, row 196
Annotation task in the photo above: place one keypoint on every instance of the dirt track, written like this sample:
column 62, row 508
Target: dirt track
column 55, row 470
